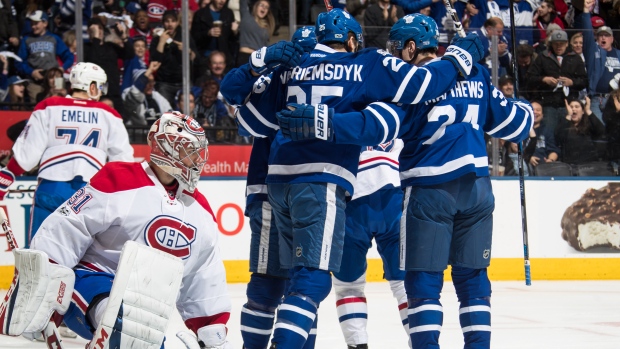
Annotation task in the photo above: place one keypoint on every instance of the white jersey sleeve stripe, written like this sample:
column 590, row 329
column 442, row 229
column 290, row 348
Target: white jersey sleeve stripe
column 394, row 115
column 381, row 121
column 403, row 85
column 427, row 80
column 318, row 167
column 246, row 126
column 506, row 122
column 260, row 117
column 518, row 131
column 445, row 168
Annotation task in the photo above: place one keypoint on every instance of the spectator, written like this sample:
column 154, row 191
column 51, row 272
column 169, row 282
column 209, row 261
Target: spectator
column 356, row 8
column 67, row 14
column 210, row 111
column 525, row 57
column 105, row 51
column 69, row 38
column 53, row 84
column 144, row 104
column 167, row 49
column 38, row 52
column 575, row 134
column 16, row 94
column 469, row 12
column 221, row 36
column 180, row 103
column 136, row 65
column 544, row 16
column 576, row 45
column 4, row 77
column 524, row 22
column 216, row 68
column 255, row 28
column 379, row 19
column 611, row 116
column 540, row 147
column 141, row 29
column 132, row 8
column 494, row 27
column 556, row 74
column 506, row 84
column 9, row 33
column 602, row 59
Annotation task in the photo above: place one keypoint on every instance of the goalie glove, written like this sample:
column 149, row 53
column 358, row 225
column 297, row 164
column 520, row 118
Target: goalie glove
column 306, row 122
column 284, row 53
column 464, row 53
column 6, row 180
column 209, row 337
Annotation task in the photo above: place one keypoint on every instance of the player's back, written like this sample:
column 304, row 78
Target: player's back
column 449, row 141
column 72, row 137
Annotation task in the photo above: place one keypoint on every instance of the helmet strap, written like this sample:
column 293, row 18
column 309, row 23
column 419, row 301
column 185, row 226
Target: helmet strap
column 95, row 97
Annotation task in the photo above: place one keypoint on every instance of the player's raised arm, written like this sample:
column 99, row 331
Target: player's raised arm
column 396, row 81
column 507, row 118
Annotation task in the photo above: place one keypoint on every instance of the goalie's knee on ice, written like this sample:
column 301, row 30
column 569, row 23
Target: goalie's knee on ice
column 471, row 283
column 265, row 292
column 311, row 282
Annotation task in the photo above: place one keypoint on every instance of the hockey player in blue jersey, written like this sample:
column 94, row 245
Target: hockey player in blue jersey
column 268, row 280
column 448, row 201
column 308, row 183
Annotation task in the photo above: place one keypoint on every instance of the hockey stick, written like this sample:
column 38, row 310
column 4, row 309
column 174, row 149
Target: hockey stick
column 20, row 191
column 50, row 333
column 455, row 18
column 526, row 247
column 328, row 5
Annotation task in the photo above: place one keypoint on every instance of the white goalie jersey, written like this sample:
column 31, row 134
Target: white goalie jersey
column 126, row 202
column 70, row 137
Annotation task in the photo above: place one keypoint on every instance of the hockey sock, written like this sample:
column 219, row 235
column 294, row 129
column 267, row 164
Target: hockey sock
column 352, row 309
column 473, row 290
column 475, row 319
column 425, row 320
column 424, row 309
column 295, row 318
column 311, row 341
column 398, row 290
column 257, row 315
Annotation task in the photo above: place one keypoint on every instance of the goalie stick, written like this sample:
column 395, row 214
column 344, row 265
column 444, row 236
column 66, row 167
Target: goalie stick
column 526, row 247
column 328, row 5
column 50, row 333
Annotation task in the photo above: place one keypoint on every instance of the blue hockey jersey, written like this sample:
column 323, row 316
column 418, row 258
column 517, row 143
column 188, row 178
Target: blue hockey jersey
column 346, row 82
column 444, row 138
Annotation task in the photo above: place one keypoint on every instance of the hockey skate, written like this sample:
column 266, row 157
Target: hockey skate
column 359, row 346
column 66, row 331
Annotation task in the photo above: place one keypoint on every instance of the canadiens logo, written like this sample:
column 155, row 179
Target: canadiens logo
column 171, row 235
column 156, row 10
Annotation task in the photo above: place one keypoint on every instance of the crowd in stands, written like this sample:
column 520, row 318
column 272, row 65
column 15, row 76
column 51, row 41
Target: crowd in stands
column 568, row 65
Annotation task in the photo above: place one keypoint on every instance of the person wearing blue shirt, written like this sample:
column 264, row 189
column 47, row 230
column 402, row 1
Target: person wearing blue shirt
column 38, row 51
column 448, row 200
column 602, row 59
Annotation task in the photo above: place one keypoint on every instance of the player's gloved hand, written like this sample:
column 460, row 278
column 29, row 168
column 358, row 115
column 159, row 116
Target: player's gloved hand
column 209, row 337
column 6, row 179
column 283, row 53
column 304, row 121
column 464, row 53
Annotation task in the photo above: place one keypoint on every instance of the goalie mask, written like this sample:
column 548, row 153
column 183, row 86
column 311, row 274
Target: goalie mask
column 179, row 147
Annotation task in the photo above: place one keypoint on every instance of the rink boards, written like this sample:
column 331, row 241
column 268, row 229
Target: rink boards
column 552, row 258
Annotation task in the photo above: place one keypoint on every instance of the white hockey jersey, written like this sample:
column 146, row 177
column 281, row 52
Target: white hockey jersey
column 125, row 201
column 378, row 168
column 70, row 137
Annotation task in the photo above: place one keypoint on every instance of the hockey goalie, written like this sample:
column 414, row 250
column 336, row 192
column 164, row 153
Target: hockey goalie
column 117, row 256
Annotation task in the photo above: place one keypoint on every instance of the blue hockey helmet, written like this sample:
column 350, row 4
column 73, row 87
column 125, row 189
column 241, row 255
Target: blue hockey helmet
column 335, row 25
column 305, row 37
column 417, row 27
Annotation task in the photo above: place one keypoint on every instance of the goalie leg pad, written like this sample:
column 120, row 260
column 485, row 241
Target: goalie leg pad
column 39, row 289
column 143, row 296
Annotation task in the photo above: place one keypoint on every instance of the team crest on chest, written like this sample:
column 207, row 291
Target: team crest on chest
column 171, row 235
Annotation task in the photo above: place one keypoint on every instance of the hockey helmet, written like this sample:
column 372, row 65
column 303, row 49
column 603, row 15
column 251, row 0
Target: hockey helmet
column 179, row 147
column 305, row 37
column 335, row 25
column 420, row 28
column 83, row 74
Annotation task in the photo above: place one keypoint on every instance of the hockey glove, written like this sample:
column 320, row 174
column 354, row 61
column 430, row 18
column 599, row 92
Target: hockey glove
column 6, row 179
column 464, row 53
column 283, row 53
column 306, row 122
